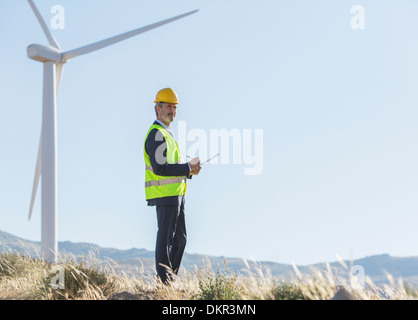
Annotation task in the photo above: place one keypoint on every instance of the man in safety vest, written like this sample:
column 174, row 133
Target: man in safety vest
column 165, row 185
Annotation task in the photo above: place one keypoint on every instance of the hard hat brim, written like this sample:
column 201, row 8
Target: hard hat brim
column 157, row 101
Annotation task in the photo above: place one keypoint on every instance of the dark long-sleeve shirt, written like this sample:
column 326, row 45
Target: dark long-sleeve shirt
column 160, row 166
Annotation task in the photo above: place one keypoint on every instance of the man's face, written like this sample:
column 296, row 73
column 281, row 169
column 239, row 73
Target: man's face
column 167, row 112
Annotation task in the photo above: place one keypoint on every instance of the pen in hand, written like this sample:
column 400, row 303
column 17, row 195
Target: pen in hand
column 206, row 160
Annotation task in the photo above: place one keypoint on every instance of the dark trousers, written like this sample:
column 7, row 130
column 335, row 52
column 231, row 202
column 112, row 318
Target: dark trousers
column 171, row 240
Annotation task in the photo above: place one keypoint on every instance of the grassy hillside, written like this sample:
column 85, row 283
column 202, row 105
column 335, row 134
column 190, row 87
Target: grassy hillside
column 139, row 262
column 34, row 279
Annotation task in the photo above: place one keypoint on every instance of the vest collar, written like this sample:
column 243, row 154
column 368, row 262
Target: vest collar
column 168, row 129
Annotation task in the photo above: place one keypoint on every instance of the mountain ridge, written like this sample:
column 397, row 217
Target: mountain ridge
column 136, row 260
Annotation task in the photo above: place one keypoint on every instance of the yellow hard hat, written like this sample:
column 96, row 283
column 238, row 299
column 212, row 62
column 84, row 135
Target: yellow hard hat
column 167, row 95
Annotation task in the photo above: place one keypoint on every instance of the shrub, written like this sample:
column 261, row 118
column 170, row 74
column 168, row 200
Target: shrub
column 14, row 265
column 288, row 291
column 218, row 286
column 80, row 282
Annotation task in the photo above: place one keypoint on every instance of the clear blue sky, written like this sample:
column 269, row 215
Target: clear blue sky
column 337, row 108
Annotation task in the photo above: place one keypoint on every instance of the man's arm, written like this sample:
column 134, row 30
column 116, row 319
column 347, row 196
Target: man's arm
column 156, row 148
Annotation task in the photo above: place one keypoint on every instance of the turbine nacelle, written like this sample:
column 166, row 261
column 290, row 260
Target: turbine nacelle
column 44, row 54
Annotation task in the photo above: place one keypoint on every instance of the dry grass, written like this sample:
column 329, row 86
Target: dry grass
column 27, row 278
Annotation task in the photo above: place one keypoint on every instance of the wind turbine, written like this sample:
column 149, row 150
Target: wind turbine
column 54, row 58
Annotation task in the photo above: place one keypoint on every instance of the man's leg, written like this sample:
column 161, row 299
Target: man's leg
column 179, row 241
column 166, row 217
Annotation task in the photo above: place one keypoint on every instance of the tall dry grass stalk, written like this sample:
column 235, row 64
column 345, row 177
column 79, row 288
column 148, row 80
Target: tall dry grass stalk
column 89, row 278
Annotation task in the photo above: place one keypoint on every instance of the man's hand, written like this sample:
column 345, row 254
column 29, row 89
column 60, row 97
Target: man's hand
column 195, row 166
column 195, row 172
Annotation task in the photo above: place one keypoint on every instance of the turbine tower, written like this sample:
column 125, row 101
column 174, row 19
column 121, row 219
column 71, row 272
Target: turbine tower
column 54, row 59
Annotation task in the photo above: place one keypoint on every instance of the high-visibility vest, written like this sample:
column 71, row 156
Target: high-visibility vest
column 160, row 186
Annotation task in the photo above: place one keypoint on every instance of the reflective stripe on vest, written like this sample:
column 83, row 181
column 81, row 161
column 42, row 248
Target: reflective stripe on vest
column 149, row 168
column 155, row 183
column 161, row 186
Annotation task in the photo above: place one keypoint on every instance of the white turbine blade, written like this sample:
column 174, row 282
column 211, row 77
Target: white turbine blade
column 37, row 176
column 48, row 34
column 107, row 42
column 58, row 76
